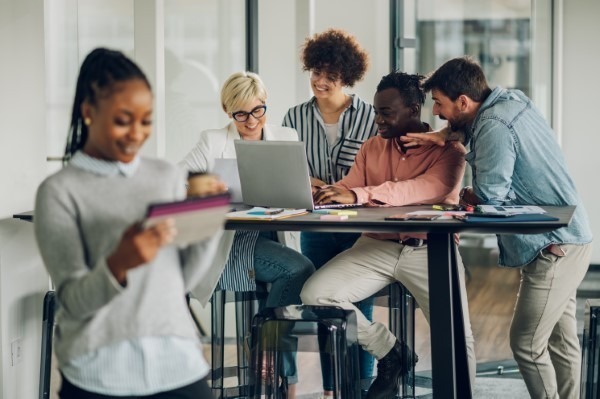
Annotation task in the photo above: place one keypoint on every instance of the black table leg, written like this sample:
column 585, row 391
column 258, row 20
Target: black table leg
column 448, row 346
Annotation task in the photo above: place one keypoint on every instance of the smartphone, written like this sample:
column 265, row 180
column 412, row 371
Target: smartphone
column 404, row 216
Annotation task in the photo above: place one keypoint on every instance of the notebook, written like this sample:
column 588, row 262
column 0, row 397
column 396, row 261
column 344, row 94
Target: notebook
column 227, row 170
column 196, row 218
column 275, row 174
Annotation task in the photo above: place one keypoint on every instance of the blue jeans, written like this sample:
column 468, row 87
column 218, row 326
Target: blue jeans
column 320, row 248
column 286, row 270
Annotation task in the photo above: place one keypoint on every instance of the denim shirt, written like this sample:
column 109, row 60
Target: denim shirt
column 516, row 160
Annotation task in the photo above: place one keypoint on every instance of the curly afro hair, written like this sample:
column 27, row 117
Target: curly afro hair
column 408, row 85
column 337, row 53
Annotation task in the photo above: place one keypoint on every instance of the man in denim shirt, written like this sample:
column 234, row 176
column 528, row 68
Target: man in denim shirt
column 516, row 161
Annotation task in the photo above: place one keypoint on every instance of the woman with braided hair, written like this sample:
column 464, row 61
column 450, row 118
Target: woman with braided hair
column 123, row 327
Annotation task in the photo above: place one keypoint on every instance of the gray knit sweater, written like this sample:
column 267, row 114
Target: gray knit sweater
column 79, row 219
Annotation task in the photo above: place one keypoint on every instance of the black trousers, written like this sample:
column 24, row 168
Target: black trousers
column 196, row 390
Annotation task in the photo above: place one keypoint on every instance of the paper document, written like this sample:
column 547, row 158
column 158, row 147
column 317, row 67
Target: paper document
column 196, row 219
column 260, row 213
column 513, row 209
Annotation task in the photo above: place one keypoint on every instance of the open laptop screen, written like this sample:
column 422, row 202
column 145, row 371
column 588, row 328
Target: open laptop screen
column 275, row 174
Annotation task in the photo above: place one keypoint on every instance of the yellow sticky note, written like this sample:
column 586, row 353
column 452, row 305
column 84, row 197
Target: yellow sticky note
column 344, row 212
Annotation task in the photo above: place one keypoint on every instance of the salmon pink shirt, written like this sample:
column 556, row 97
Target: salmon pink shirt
column 385, row 175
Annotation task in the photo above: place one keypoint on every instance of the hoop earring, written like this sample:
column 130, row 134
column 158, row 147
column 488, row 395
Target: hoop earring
column 87, row 121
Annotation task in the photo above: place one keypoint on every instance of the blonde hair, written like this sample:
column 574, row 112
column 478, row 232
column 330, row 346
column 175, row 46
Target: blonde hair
column 240, row 89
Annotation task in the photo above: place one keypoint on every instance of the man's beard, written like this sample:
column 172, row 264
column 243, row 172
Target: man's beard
column 459, row 124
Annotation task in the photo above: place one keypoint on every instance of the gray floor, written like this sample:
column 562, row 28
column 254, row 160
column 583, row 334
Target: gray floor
column 490, row 384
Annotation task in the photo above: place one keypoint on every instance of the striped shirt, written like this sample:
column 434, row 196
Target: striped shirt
column 140, row 366
column 239, row 274
column 327, row 161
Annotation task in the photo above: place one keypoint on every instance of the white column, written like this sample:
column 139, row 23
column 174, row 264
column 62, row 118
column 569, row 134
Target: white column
column 541, row 68
column 149, row 41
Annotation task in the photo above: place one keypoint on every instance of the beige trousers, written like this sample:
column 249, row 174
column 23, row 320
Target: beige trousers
column 543, row 332
column 366, row 268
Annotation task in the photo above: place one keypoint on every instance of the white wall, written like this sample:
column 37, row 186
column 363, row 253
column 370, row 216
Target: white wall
column 581, row 87
column 23, row 280
column 23, row 283
column 22, row 103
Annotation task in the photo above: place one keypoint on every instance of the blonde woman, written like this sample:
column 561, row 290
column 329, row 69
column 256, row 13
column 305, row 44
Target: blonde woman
column 253, row 256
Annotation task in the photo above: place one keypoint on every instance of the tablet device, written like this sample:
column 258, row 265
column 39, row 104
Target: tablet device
column 227, row 170
column 196, row 219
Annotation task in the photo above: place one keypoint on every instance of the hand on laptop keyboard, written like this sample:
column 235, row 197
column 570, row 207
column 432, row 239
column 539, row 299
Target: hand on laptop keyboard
column 331, row 194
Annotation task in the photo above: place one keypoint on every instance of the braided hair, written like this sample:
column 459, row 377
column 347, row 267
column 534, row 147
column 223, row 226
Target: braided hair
column 100, row 71
column 408, row 85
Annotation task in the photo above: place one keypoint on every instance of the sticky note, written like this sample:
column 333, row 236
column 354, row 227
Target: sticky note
column 334, row 217
column 346, row 212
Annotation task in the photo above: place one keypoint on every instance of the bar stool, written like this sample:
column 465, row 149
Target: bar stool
column 271, row 329
column 246, row 306
column 401, row 319
column 49, row 309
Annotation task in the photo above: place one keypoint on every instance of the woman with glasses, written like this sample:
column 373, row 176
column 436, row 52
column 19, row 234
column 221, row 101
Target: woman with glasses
column 333, row 125
column 253, row 256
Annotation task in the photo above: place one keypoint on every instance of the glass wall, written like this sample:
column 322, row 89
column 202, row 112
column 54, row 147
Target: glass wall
column 204, row 41
column 496, row 33
column 283, row 27
column 200, row 42
column 72, row 29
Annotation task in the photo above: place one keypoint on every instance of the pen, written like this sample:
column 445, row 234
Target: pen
column 273, row 211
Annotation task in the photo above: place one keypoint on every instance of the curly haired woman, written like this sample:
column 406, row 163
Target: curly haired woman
column 333, row 125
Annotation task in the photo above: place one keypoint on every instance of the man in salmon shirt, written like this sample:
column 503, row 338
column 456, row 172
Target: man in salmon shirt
column 385, row 173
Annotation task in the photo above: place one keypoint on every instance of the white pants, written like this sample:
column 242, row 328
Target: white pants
column 366, row 268
column 543, row 332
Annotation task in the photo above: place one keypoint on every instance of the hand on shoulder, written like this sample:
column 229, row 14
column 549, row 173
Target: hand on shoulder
column 437, row 137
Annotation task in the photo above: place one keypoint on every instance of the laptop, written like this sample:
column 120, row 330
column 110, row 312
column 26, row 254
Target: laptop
column 275, row 174
column 227, row 170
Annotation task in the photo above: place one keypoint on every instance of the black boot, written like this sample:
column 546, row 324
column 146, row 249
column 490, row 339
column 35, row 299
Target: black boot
column 283, row 388
column 389, row 370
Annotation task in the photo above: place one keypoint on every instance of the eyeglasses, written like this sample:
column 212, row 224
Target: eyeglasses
column 257, row 113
